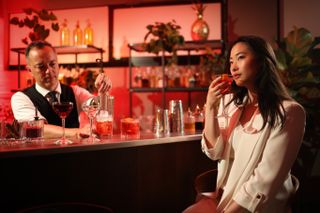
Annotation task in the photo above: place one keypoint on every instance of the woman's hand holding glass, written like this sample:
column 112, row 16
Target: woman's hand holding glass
column 220, row 86
column 216, row 90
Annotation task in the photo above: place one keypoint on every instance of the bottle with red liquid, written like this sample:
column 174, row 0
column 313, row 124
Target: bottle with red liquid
column 199, row 118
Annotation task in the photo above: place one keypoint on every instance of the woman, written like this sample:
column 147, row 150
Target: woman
column 263, row 130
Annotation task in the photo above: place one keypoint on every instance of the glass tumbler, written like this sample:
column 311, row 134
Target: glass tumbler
column 104, row 118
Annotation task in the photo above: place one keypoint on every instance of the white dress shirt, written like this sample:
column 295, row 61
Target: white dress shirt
column 23, row 108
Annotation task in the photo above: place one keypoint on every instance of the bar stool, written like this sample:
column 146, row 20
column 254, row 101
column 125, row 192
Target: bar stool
column 67, row 207
column 205, row 185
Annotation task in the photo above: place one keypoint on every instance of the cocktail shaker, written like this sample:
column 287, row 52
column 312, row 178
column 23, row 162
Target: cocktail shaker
column 161, row 122
column 176, row 116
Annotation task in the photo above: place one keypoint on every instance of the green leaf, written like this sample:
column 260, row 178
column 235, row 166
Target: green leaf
column 298, row 42
column 300, row 61
column 14, row 21
column 28, row 11
column 282, row 61
column 44, row 15
column 28, row 22
column 21, row 23
column 52, row 16
column 55, row 26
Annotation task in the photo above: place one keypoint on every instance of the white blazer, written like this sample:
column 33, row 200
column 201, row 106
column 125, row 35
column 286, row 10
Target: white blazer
column 254, row 166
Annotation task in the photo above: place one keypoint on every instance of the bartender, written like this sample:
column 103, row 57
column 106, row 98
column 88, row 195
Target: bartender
column 42, row 63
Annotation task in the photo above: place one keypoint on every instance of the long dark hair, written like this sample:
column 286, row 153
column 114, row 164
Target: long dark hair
column 268, row 85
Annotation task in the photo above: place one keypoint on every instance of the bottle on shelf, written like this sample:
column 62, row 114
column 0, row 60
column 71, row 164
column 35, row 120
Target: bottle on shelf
column 184, row 79
column 145, row 81
column 88, row 34
column 138, row 78
column 65, row 34
column 199, row 118
column 77, row 35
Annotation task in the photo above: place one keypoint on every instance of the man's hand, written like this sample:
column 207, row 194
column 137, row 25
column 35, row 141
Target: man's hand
column 103, row 83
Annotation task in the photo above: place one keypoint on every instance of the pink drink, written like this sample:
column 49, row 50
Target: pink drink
column 228, row 79
column 104, row 128
column 130, row 127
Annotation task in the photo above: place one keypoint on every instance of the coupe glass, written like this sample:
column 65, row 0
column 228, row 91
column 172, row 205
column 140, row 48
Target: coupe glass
column 91, row 107
column 63, row 109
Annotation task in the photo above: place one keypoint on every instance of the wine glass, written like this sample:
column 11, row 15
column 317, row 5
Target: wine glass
column 63, row 109
column 91, row 107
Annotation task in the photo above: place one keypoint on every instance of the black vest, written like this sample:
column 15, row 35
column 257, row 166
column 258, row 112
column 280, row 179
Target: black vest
column 44, row 107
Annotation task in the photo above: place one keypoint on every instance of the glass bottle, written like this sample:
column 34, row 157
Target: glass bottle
column 77, row 35
column 88, row 34
column 189, row 122
column 65, row 34
column 199, row 118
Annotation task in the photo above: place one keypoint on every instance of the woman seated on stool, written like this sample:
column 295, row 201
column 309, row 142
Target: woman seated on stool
column 262, row 137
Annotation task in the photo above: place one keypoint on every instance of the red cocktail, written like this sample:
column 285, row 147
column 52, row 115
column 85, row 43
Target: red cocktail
column 130, row 128
column 225, row 89
column 63, row 109
column 104, row 128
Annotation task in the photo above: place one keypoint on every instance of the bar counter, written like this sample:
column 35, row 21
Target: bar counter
column 150, row 174
column 16, row 148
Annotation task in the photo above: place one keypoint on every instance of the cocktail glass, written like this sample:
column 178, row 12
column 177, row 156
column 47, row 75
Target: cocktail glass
column 63, row 109
column 91, row 108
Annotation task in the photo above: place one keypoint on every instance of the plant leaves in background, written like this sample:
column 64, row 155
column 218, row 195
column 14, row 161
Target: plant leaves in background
column 39, row 30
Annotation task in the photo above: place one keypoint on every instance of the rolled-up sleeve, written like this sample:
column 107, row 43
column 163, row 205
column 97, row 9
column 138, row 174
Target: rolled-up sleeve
column 280, row 152
column 217, row 151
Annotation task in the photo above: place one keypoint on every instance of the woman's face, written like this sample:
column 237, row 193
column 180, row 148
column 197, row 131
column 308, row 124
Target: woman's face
column 243, row 65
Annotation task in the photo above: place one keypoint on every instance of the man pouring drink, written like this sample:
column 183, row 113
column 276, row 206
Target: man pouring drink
column 42, row 62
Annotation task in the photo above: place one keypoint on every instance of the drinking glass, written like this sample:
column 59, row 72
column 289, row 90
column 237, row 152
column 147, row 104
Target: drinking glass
column 224, row 90
column 104, row 118
column 63, row 109
column 91, row 107
column 130, row 128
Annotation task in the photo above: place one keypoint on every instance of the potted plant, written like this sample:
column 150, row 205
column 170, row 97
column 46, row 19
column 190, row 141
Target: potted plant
column 33, row 20
column 165, row 37
column 211, row 63
column 298, row 62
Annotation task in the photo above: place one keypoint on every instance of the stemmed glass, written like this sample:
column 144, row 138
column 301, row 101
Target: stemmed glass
column 63, row 109
column 91, row 107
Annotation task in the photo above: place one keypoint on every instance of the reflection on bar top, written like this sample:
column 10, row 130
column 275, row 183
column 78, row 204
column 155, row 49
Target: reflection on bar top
column 20, row 148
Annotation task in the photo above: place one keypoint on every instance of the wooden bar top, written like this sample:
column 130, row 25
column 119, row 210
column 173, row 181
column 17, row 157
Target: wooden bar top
column 17, row 148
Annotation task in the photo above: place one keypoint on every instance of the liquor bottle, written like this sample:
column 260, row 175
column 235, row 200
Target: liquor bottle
column 88, row 34
column 77, row 35
column 65, row 34
column 199, row 118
